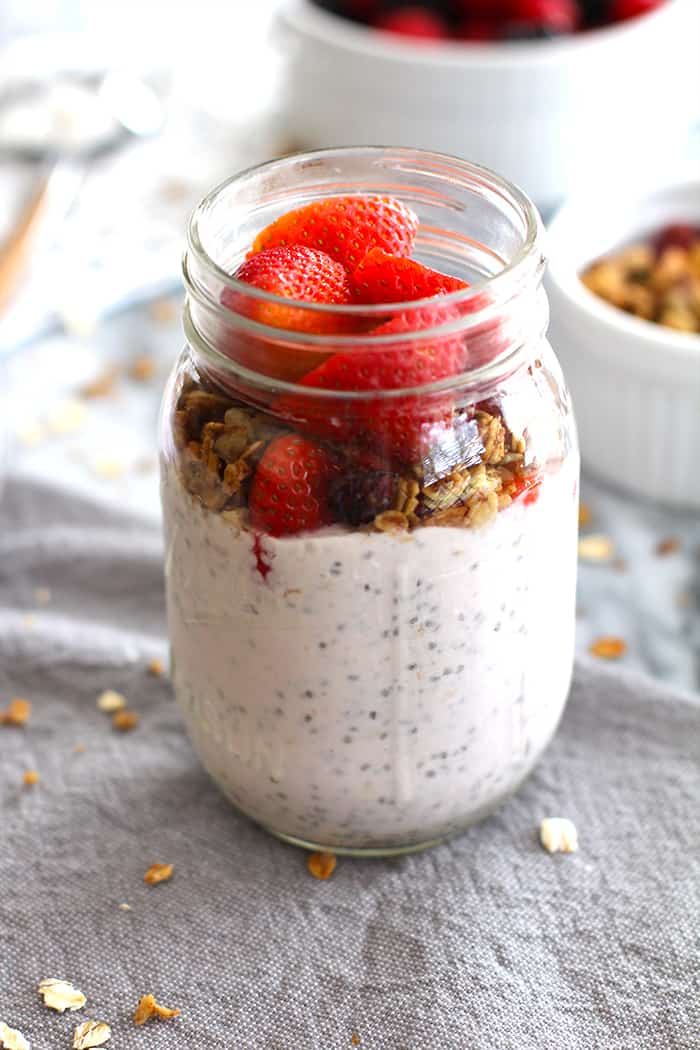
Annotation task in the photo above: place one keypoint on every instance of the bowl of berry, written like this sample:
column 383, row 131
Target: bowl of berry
column 544, row 91
column 624, row 290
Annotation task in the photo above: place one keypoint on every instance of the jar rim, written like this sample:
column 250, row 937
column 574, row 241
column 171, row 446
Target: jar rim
column 527, row 261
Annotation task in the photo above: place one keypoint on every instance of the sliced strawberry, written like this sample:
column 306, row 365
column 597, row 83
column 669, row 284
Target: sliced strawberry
column 345, row 228
column 294, row 272
column 385, row 278
column 299, row 273
column 289, row 492
column 400, row 427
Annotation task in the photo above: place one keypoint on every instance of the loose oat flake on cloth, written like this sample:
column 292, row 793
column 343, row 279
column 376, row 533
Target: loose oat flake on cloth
column 486, row 943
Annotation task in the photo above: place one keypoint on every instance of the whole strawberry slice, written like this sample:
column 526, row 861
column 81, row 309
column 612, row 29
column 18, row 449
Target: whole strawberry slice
column 289, row 491
column 399, row 427
column 345, row 228
column 385, row 278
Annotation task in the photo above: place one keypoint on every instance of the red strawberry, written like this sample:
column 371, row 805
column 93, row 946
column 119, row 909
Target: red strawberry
column 289, row 492
column 299, row 273
column 621, row 10
column 345, row 228
column 415, row 21
column 296, row 272
column 384, row 278
column 397, row 427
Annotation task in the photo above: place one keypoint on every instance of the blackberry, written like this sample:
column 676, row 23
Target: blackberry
column 358, row 497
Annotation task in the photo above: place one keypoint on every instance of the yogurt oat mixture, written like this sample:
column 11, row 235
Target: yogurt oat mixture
column 361, row 688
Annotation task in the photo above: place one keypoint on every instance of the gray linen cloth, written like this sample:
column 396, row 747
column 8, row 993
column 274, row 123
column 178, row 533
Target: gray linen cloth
column 486, row 943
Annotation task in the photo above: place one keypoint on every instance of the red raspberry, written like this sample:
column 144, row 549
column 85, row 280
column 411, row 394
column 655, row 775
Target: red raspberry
column 621, row 10
column 475, row 29
column 345, row 228
column 559, row 15
column 289, row 491
column 417, row 22
column 384, row 278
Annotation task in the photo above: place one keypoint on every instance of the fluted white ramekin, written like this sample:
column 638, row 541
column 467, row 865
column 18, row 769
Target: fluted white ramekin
column 635, row 384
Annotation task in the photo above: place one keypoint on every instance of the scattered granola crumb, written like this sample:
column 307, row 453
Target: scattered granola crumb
column 91, row 1033
column 125, row 720
column 321, row 865
column 671, row 545
column 102, row 386
column 609, row 648
column 142, row 368
column 148, row 1007
column 31, row 435
column 29, row 622
column 355, row 1039
column 164, row 311
column 30, row 778
column 595, row 548
column 12, row 1038
column 66, row 417
column 16, row 713
column 61, row 995
column 111, row 701
column 619, row 565
column 559, row 835
column 158, row 873
column 155, row 667
column 108, row 467
column 124, row 906
column 42, row 595
column 584, row 515
column 684, row 600
column 391, row 521
column 79, row 748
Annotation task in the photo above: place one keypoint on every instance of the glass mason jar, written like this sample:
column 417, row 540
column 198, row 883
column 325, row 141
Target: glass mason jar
column 388, row 666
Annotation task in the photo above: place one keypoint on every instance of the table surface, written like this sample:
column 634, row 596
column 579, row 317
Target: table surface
column 650, row 600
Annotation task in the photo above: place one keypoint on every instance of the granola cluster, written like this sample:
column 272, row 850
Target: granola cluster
column 658, row 281
column 219, row 443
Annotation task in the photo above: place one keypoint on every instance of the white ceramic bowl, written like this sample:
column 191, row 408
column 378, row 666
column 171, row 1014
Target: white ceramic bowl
column 546, row 114
column 635, row 384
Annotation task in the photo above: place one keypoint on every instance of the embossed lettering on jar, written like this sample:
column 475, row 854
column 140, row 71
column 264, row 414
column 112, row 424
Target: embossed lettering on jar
column 370, row 507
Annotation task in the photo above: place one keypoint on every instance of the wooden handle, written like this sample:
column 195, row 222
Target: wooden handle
column 16, row 250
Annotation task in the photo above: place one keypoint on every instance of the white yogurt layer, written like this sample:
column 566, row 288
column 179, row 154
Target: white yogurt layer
column 372, row 690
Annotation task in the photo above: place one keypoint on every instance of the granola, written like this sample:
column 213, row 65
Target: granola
column 657, row 281
column 125, row 720
column 148, row 1007
column 321, row 865
column 475, row 470
column 158, row 873
column 16, row 713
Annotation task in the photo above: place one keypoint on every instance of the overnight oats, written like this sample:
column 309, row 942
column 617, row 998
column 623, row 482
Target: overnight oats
column 369, row 482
